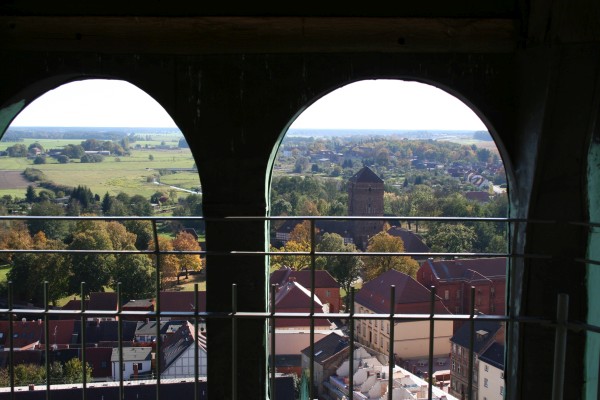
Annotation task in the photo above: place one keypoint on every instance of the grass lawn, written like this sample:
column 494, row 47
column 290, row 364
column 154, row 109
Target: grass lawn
column 114, row 174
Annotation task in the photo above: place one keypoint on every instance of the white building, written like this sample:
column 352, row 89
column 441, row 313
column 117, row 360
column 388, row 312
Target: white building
column 136, row 361
column 178, row 353
column 491, row 373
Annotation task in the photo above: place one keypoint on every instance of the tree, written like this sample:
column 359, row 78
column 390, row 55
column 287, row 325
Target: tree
column 30, row 270
column 345, row 269
column 169, row 263
column 52, row 228
column 93, row 269
column 150, row 157
column 136, row 274
column 142, row 229
column 451, row 238
column 383, row 242
column 30, row 195
column 17, row 150
column 73, row 371
column 139, row 205
column 39, row 160
column 184, row 241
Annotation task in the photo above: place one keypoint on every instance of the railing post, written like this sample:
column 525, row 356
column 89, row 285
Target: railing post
column 391, row 358
column 471, row 344
column 234, row 338
column 560, row 346
column 431, row 338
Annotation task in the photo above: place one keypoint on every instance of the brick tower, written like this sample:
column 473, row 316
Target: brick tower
column 365, row 198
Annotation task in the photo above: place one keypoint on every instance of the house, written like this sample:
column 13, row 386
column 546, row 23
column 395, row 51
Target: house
column 326, row 287
column 103, row 301
column 141, row 305
column 137, row 362
column 454, row 278
column 486, row 333
column 490, row 383
column 177, row 353
column 329, row 353
column 181, row 301
column 411, row 338
column 106, row 333
column 295, row 298
column 145, row 332
column 289, row 344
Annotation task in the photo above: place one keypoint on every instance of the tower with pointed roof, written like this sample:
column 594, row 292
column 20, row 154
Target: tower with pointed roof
column 365, row 198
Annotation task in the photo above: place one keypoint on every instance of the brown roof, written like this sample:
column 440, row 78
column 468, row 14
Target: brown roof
column 323, row 279
column 412, row 242
column 182, row 301
column 366, row 175
column 99, row 360
column 103, row 301
column 375, row 294
column 468, row 269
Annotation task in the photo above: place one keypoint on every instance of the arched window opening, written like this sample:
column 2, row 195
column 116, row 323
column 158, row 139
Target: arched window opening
column 95, row 162
column 376, row 151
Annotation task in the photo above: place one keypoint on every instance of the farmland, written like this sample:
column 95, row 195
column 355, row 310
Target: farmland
column 130, row 174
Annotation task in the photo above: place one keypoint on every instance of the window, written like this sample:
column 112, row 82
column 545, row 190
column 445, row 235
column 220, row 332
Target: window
column 501, row 390
column 447, row 294
column 486, row 368
column 458, row 294
column 485, row 382
column 501, row 375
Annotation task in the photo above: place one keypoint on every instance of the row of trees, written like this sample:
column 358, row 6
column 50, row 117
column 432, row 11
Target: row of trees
column 99, row 269
column 25, row 374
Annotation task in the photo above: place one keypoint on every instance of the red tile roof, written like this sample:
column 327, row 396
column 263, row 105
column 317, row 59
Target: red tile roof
column 375, row 294
column 102, row 301
column 412, row 242
column 181, row 301
column 468, row 269
column 323, row 279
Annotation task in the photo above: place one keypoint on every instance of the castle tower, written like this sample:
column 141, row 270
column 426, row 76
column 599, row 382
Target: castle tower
column 365, row 198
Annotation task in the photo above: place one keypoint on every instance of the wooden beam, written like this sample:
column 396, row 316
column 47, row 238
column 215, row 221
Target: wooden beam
column 206, row 35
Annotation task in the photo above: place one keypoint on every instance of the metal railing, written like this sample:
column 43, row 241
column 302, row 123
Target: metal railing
column 561, row 324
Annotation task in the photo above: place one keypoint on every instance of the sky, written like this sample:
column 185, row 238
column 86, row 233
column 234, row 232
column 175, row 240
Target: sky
column 370, row 104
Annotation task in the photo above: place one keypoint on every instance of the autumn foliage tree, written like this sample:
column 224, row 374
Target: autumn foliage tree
column 300, row 239
column 168, row 263
column 185, row 241
column 375, row 265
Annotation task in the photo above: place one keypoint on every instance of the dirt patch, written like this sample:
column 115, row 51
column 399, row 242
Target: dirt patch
column 13, row 180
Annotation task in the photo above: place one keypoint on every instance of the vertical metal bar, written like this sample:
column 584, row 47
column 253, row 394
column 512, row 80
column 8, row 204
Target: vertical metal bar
column 272, row 336
column 471, row 344
column 157, row 306
column 11, row 344
column 431, row 337
column 196, row 345
column 120, row 342
column 47, row 339
column 234, row 350
column 83, row 343
column 351, row 360
column 311, row 368
column 391, row 358
column 560, row 346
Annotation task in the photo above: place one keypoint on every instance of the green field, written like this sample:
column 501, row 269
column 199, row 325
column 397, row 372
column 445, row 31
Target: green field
column 128, row 174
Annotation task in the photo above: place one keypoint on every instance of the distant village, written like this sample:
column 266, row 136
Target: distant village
column 461, row 286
